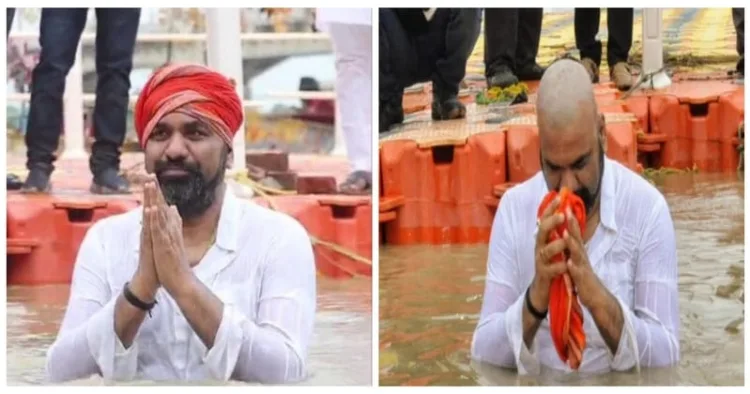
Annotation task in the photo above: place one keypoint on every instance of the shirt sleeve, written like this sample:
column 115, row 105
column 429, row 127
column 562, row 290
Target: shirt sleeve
column 273, row 348
column 87, row 343
column 650, row 335
column 498, row 338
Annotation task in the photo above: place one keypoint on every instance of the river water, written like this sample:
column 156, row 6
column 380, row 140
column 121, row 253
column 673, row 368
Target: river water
column 430, row 299
column 340, row 352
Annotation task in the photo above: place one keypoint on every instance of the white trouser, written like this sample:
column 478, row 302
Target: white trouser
column 352, row 45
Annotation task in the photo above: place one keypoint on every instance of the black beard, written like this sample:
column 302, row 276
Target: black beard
column 192, row 194
column 589, row 197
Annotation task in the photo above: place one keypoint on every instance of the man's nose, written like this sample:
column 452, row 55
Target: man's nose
column 569, row 180
column 176, row 147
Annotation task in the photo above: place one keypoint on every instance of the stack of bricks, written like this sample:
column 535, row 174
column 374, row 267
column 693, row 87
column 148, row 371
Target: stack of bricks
column 275, row 165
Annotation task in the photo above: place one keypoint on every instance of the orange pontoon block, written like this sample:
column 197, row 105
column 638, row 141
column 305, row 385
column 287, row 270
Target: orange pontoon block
column 443, row 187
column 698, row 121
column 339, row 220
column 45, row 233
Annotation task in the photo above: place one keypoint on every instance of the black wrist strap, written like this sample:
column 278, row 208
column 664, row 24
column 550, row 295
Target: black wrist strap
column 135, row 301
column 532, row 310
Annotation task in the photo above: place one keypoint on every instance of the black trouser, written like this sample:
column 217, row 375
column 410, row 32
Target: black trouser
column 511, row 38
column 620, row 27
column 60, row 33
column 738, row 17
column 10, row 13
column 439, row 55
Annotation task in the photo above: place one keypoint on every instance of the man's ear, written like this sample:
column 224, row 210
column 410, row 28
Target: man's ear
column 230, row 158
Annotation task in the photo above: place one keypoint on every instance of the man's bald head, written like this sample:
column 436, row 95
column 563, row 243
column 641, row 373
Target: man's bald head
column 571, row 131
column 565, row 94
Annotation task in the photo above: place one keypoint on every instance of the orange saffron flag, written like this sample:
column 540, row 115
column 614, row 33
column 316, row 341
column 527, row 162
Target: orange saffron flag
column 565, row 313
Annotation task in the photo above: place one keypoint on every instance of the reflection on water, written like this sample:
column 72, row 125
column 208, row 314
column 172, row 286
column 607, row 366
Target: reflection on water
column 430, row 299
column 340, row 352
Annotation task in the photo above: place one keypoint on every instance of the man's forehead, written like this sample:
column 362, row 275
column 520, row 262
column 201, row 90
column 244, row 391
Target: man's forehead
column 174, row 119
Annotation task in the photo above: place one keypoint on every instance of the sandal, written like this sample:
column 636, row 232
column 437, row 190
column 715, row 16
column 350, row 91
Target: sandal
column 357, row 183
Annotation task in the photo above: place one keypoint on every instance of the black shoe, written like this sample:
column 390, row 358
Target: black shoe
column 109, row 181
column 391, row 113
column 37, row 182
column 530, row 72
column 502, row 78
column 14, row 182
column 447, row 109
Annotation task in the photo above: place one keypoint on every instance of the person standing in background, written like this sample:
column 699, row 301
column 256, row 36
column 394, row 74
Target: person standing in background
column 620, row 32
column 59, row 36
column 738, row 17
column 9, row 14
column 351, row 33
column 511, row 45
column 420, row 45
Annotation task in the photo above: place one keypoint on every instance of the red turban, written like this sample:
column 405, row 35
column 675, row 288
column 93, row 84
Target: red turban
column 191, row 89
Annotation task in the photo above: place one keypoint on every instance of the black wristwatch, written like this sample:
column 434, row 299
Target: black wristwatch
column 532, row 310
column 135, row 301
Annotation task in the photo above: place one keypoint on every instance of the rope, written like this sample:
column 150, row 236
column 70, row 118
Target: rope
column 265, row 195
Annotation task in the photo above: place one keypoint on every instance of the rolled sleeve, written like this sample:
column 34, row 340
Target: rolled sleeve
column 114, row 360
column 221, row 358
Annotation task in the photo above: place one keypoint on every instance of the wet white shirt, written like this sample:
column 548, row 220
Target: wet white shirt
column 633, row 252
column 261, row 267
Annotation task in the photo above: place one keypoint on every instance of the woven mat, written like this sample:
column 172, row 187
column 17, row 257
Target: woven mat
column 448, row 132
column 430, row 133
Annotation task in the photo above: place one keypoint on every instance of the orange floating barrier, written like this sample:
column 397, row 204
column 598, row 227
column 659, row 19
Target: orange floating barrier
column 696, row 132
column 622, row 143
column 523, row 152
column 45, row 233
column 334, row 222
column 565, row 313
column 443, row 188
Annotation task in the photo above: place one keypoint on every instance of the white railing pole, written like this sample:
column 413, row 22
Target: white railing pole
column 653, row 49
column 225, row 55
column 73, row 111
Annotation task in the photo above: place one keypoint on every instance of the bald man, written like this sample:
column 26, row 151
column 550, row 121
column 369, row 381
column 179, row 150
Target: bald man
column 197, row 284
column 624, row 266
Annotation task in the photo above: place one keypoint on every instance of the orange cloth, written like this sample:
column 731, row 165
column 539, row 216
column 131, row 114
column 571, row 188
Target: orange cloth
column 565, row 313
column 191, row 89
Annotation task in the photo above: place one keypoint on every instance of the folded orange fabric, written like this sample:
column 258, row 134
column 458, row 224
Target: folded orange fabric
column 565, row 313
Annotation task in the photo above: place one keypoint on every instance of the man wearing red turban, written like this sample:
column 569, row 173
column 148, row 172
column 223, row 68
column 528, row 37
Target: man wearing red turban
column 197, row 284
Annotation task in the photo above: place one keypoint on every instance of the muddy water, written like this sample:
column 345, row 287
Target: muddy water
column 340, row 353
column 430, row 299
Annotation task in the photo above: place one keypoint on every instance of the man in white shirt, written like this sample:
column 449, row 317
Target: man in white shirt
column 351, row 33
column 624, row 266
column 197, row 284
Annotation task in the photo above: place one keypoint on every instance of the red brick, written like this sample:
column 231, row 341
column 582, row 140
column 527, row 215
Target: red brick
column 287, row 179
column 269, row 160
column 315, row 184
